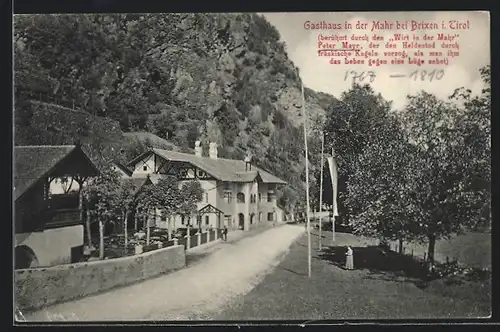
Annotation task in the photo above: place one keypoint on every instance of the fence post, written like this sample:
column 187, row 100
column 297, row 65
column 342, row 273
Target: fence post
column 412, row 253
column 188, row 241
column 447, row 260
column 425, row 256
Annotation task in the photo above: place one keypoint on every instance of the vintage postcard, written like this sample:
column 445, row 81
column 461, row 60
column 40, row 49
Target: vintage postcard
column 252, row 166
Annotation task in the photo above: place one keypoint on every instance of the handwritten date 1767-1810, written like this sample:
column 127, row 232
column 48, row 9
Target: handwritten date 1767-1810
column 369, row 76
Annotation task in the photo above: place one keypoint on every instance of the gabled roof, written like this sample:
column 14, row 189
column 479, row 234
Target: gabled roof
column 229, row 170
column 248, row 176
column 123, row 168
column 281, row 207
column 138, row 183
column 209, row 208
column 32, row 163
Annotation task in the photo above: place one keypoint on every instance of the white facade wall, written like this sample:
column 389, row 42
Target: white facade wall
column 52, row 246
column 267, row 208
column 145, row 167
column 215, row 193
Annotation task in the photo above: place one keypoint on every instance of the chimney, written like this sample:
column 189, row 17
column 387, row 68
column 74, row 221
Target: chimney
column 248, row 162
column 198, row 149
column 212, row 151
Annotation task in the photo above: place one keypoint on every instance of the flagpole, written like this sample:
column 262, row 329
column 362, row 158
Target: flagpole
column 333, row 208
column 321, row 188
column 307, row 182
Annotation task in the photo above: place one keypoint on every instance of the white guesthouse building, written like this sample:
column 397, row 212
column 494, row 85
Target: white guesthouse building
column 237, row 194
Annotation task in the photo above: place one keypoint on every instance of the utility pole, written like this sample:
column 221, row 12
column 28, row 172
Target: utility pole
column 307, row 182
column 321, row 189
column 334, row 200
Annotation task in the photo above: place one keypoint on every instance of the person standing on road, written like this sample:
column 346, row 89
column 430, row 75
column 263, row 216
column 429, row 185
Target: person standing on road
column 349, row 260
column 224, row 233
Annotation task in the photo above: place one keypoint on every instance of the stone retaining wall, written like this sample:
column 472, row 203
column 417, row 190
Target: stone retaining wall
column 39, row 287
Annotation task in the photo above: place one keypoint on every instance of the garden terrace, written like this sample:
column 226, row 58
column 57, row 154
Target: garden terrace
column 114, row 244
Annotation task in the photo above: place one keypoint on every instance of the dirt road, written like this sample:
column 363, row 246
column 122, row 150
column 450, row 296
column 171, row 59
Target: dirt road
column 232, row 270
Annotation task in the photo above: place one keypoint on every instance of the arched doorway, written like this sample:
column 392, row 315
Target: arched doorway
column 25, row 257
column 252, row 218
column 241, row 221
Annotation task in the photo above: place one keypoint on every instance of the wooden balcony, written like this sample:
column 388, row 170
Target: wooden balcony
column 63, row 202
column 63, row 218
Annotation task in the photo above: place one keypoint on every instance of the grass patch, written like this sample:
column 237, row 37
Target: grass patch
column 471, row 249
column 374, row 290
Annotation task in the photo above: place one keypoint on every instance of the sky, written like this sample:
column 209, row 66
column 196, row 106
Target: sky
column 318, row 74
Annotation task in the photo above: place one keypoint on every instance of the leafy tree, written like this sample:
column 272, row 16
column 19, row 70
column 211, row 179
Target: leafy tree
column 227, row 121
column 289, row 198
column 105, row 191
column 358, row 118
column 354, row 121
column 134, row 147
column 167, row 197
column 126, row 203
column 379, row 190
column 451, row 192
column 474, row 125
column 66, row 184
column 164, row 125
column 191, row 193
column 147, row 204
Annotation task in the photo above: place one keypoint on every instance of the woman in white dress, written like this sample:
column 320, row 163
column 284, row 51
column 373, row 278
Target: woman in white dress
column 349, row 261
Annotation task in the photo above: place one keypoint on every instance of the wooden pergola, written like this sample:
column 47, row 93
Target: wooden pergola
column 35, row 168
column 210, row 209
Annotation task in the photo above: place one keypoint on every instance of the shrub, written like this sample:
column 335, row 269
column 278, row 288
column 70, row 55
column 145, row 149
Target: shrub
column 150, row 247
column 453, row 269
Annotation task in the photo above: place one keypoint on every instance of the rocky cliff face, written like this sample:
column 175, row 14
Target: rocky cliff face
column 215, row 77
column 232, row 60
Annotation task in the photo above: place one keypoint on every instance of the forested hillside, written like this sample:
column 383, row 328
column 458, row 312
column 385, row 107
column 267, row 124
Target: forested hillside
column 182, row 77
